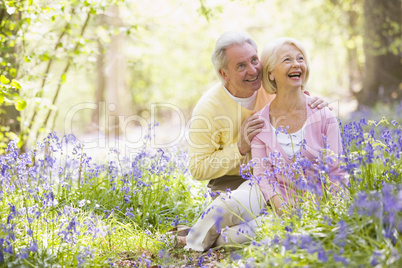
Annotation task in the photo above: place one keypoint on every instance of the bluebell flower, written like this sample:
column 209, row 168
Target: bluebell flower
column 29, row 232
column 373, row 261
column 250, row 263
column 8, row 248
column 235, row 256
column 322, row 256
column 200, row 261
column 338, row 258
column 305, row 241
column 13, row 213
column 33, row 246
column 23, row 254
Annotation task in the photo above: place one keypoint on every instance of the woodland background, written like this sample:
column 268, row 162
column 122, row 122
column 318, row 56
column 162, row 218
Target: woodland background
column 94, row 68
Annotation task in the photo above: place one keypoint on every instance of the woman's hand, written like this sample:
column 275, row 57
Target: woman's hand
column 277, row 204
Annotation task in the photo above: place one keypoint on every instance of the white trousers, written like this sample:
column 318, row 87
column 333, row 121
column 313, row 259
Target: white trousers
column 230, row 218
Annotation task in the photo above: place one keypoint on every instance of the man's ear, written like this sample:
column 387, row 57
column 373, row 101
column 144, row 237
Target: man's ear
column 224, row 75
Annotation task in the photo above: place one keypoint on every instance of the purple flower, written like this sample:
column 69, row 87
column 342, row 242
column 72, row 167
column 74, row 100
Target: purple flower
column 33, row 246
column 341, row 234
column 8, row 249
column 13, row 213
column 200, row 261
column 322, row 256
column 288, row 228
column 338, row 258
column 235, row 256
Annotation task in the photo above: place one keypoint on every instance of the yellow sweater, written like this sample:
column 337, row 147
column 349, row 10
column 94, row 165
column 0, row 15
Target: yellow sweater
column 214, row 131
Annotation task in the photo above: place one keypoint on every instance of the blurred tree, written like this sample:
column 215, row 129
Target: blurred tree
column 113, row 98
column 383, row 52
column 53, row 37
column 373, row 38
column 50, row 39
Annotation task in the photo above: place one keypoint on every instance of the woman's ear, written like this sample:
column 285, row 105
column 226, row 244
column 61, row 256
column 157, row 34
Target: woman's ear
column 271, row 77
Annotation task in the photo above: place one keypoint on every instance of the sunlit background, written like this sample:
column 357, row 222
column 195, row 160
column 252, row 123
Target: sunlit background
column 137, row 62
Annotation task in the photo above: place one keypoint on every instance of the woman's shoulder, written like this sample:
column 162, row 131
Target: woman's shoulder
column 264, row 112
column 325, row 111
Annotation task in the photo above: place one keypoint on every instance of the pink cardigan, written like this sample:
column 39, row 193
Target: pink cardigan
column 319, row 122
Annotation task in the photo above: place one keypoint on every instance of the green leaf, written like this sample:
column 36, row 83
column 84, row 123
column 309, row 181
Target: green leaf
column 63, row 78
column 11, row 26
column 20, row 105
column 13, row 72
column 4, row 80
column 15, row 84
column 45, row 57
column 1, row 98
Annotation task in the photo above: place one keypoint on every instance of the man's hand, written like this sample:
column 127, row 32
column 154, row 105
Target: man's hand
column 319, row 103
column 250, row 127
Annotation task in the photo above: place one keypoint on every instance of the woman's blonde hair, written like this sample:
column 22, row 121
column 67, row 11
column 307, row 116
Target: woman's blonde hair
column 269, row 59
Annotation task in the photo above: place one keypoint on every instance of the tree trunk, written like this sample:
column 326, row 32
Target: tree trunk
column 100, row 90
column 355, row 68
column 382, row 79
column 112, row 93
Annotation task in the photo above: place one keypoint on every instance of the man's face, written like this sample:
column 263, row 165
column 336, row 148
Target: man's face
column 243, row 72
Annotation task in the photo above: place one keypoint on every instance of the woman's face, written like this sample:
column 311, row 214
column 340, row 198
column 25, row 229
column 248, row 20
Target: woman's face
column 291, row 68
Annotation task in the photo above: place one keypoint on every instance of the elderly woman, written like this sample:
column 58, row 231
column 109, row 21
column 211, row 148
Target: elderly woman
column 308, row 131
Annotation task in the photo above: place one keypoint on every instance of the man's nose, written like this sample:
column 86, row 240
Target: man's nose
column 252, row 69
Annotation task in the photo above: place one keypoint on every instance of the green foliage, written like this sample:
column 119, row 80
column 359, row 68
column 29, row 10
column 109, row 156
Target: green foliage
column 38, row 38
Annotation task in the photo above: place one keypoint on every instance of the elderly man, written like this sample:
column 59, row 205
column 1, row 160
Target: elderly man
column 222, row 127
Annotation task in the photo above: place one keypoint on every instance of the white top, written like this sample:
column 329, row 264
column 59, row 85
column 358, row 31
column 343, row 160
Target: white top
column 247, row 103
column 290, row 143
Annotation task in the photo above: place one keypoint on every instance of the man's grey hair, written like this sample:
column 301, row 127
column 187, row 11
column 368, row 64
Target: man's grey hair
column 226, row 40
